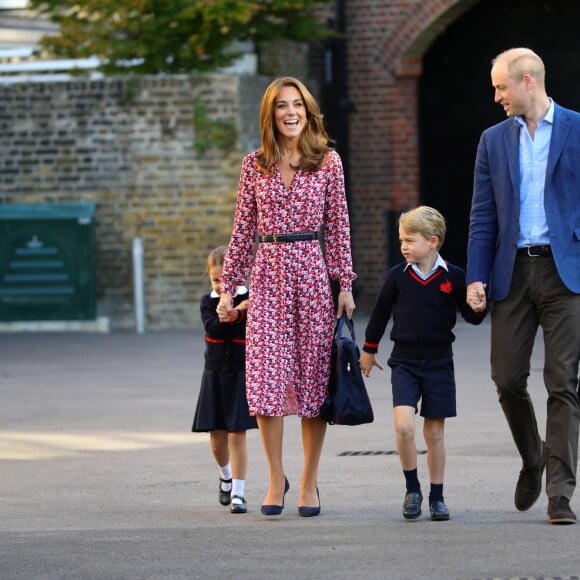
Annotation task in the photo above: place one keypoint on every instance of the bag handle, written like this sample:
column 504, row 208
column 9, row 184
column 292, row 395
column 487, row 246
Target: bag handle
column 342, row 321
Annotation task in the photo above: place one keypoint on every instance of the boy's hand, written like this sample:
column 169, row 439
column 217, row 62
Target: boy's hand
column 476, row 296
column 367, row 361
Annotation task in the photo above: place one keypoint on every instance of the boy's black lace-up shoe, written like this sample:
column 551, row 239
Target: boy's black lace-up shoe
column 439, row 511
column 412, row 505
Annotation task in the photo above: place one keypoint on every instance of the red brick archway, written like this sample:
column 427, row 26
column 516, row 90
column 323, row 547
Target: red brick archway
column 386, row 41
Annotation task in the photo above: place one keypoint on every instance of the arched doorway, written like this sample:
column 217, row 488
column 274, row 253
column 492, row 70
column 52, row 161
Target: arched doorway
column 456, row 97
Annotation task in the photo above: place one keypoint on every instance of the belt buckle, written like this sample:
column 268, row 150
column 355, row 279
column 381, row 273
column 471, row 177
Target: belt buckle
column 532, row 255
column 275, row 236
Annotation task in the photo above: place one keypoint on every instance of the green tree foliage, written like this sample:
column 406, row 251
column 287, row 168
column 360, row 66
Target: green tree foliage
column 172, row 36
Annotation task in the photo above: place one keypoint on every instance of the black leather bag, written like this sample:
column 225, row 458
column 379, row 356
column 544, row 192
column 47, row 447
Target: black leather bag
column 348, row 402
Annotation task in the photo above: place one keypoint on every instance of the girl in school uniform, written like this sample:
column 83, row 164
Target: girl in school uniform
column 222, row 408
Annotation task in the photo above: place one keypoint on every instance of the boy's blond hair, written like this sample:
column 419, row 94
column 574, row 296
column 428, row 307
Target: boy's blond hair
column 426, row 221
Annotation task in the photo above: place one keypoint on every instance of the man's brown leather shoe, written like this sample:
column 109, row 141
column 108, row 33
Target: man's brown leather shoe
column 559, row 511
column 529, row 485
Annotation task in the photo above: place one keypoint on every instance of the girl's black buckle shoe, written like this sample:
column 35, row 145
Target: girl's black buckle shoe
column 238, row 505
column 224, row 496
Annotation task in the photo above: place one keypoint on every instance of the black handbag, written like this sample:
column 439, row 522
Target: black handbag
column 348, row 402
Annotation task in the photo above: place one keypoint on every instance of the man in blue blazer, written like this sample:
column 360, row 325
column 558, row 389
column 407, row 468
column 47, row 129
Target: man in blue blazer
column 524, row 256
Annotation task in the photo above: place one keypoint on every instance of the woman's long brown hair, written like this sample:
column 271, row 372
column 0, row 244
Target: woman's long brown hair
column 314, row 139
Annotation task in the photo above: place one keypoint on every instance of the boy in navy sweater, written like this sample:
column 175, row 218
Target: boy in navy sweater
column 422, row 294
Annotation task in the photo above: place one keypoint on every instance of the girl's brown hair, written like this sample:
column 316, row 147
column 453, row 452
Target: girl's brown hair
column 216, row 257
column 314, row 139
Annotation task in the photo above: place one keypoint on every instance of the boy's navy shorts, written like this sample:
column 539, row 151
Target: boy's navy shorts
column 431, row 381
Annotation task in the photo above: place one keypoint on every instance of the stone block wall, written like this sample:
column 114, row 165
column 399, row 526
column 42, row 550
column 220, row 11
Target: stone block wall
column 147, row 153
column 129, row 146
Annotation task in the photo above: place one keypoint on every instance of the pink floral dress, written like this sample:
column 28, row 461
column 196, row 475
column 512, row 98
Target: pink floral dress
column 291, row 313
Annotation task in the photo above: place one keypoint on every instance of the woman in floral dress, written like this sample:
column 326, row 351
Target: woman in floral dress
column 290, row 189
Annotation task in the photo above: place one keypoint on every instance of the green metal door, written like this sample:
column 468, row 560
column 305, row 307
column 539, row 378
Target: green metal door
column 47, row 262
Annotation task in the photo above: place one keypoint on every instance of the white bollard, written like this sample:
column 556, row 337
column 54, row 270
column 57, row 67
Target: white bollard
column 138, row 285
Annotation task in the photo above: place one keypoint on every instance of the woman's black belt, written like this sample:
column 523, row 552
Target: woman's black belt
column 285, row 238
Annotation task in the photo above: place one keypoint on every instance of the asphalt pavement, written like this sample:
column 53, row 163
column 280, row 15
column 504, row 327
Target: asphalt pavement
column 101, row 478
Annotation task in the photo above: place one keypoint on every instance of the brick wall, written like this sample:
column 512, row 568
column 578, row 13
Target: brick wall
column 129, row 146
column 386, row 40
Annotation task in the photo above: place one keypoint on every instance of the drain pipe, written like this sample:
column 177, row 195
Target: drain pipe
column 138, row 293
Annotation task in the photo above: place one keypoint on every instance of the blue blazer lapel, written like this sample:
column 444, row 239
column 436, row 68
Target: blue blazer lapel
column 560, row 130
column 512, row 145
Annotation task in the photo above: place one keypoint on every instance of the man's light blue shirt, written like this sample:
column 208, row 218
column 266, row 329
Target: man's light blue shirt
column 533, row 162
column 439, row 263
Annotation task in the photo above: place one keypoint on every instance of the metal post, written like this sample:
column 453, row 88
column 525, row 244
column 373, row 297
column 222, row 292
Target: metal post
column 138, row 285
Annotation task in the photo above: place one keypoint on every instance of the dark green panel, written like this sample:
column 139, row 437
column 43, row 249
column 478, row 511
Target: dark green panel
column 47, row 262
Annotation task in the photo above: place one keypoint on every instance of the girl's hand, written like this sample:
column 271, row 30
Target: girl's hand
column 233, row 317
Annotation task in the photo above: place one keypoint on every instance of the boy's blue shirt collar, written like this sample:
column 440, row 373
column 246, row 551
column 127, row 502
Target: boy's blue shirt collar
column 439, row 263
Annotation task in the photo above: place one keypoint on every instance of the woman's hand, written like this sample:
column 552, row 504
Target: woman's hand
column 225, row 307
column 345, row 304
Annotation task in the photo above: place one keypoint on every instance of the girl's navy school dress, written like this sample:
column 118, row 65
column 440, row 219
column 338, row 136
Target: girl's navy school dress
column 222, row 402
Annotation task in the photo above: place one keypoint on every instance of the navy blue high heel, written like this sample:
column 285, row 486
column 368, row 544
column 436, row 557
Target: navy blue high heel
column 273, row 509
column 308, row 512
